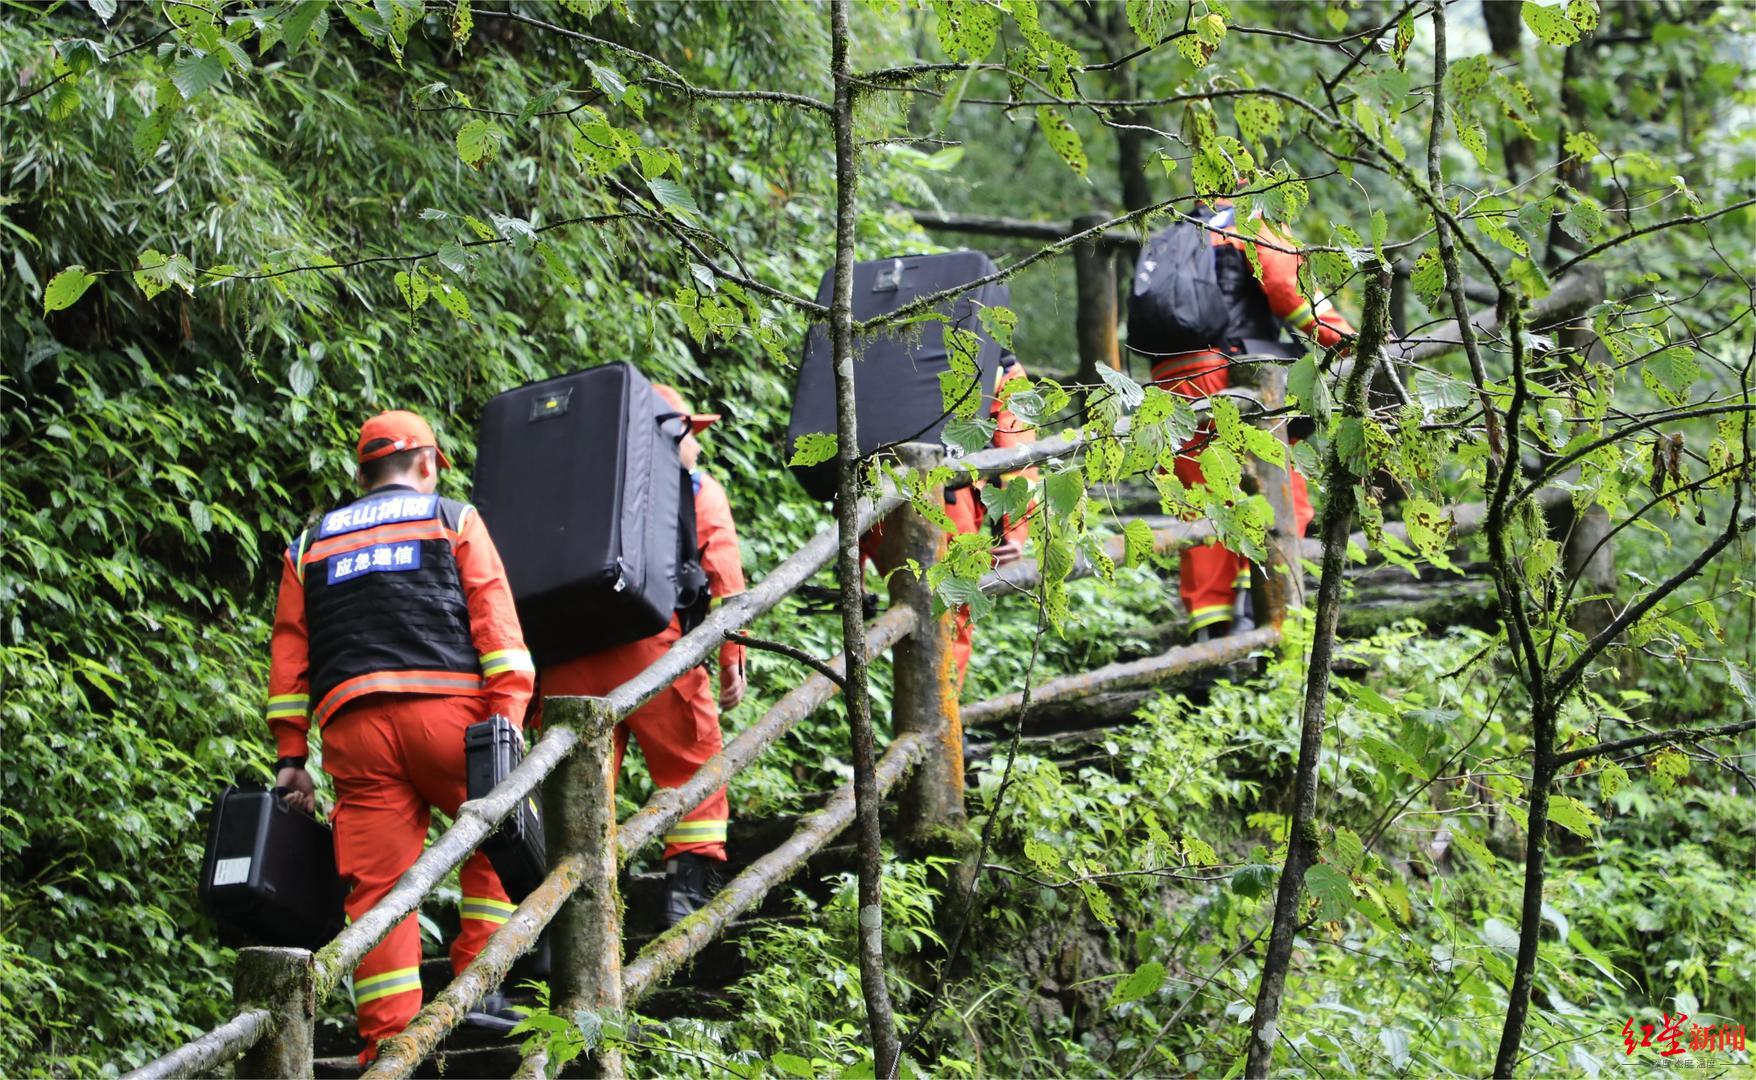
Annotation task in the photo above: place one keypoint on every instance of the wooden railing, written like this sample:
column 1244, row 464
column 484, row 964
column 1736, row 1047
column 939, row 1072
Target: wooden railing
column 278, row 990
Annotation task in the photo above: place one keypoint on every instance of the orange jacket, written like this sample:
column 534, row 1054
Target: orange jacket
column 504, row 682
column 718, row 535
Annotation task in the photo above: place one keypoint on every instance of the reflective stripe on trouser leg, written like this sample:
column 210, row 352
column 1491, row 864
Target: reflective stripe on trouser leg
column 486, row 908
column 678, row 732
column 383, row 985
column 697, row 832
column 1207, row 616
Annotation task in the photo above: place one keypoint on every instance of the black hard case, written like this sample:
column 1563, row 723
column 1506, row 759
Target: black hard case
column 276, row 867
column 576, row 480
column 896, row 373
column 492, row 749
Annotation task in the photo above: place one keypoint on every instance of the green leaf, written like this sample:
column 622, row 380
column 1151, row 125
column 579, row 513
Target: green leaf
column 1138, row 542
column 673, row 197
column 452, row 300
column 1476, row 850
column 1124, row 387
column 66, row 288
column 1388, row 753
column 462, row 22
column 200, row 517
column 1583, row 14
column 967, row 29
column 1062, row 138
column 1670, row 373
column 1583, row 220
column 558, row 268
column 478, row 141
column 1144, row 980
column 1550, row 24
column 1348, row 849
column 414, row 289
column 1154, row 20
column 1332, row 889
column 1572, row 815
column 194, row 74
column 968, row 434
column 813, row 448
column 1064, row 491
column 960, row 390
column 998, row 321
column 158, row 272
column 1253, row 880
column 307, row 23
column 792, row 1065
column 1258, row 118
column 1428, row 278
column 1306, row 386
column 1428, row 529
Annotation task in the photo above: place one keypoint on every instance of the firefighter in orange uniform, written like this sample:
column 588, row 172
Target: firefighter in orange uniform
column 394, row 632
column 964, row 507
column 679, row 729
column 1214, row 581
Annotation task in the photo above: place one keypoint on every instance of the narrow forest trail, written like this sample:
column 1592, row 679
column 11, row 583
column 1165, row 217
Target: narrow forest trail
column 1067, row 730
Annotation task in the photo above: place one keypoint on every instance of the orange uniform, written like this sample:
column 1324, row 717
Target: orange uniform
column 679, row 729
column 1209, row 574
column 964, row 505
column 395, row 615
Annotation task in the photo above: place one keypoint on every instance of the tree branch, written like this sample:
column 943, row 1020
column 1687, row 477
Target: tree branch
column 1614, row 746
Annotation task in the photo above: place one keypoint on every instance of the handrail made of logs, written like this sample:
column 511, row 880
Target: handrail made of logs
column 477, row 818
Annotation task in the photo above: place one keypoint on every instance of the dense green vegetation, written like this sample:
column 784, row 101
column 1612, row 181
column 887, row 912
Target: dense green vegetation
column 299, row 213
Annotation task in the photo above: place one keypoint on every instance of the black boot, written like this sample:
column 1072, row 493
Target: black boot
column 493, row 1013
column 690, row 882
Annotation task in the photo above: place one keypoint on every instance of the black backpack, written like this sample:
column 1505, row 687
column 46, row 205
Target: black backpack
column 693, row 593
column 1176, row 305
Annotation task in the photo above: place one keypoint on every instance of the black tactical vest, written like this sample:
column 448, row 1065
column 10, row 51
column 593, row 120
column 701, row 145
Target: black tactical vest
column 382, row 592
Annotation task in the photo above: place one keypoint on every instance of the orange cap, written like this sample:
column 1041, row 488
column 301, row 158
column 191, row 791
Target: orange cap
column 396, row 431
column 697, row 421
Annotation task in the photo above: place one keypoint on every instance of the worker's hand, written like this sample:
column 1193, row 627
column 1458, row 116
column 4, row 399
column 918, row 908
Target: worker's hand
column 1007, row 551
column 732, row 684
column 301, row 792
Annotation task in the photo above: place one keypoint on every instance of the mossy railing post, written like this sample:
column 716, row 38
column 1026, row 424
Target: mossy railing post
column 925, row 697
column 579, row 820
column 283, row 982
column 1282, row 581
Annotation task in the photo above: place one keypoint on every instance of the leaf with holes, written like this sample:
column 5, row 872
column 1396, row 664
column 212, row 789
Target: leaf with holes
column 1583, row 14
column 1572, row 815
column 1258, row 118
column 413, row 287
column 452, row 300
column 1670, row 373
column 478, row 141
column 813, row 448
column 1332, row 890
column 1154, row 20
column 1428, row 530
column 66, row 288
column 967, row 29
column 1062, row 138
column 1584, row 219
column 157, row 272
column 1124, row 387
column 960, row 389
column 1198, row 48
column 999, row 322
column 1471, row 134
column 1137, row 542
column 1428, row 278
column 1550, row 24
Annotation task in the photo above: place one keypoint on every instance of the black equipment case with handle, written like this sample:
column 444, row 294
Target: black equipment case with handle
column 577, row 480
column 492, row 749
column 896, row 373
column 269, row 876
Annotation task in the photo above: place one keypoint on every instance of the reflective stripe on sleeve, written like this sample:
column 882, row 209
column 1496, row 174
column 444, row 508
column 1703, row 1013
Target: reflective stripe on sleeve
column 504, row 660
column 485, row 908
column 373, row 987
column 1207, row 616
column 285, row 705
column 697, row 832
column 1302, row 317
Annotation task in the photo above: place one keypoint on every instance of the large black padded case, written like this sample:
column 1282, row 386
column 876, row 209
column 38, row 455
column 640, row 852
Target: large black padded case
column 269, row 877
column 491, row 750
column 896, row 372
column 576, row 479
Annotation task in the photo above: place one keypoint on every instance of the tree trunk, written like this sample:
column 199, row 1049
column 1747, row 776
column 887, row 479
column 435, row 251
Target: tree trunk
column 880, row 1019
column 1505, row 19
column 1338, row 515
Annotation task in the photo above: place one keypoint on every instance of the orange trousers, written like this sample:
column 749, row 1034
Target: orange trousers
column 1210, row 575
column 394, row 757
column 965, row 511
column 678, row 730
